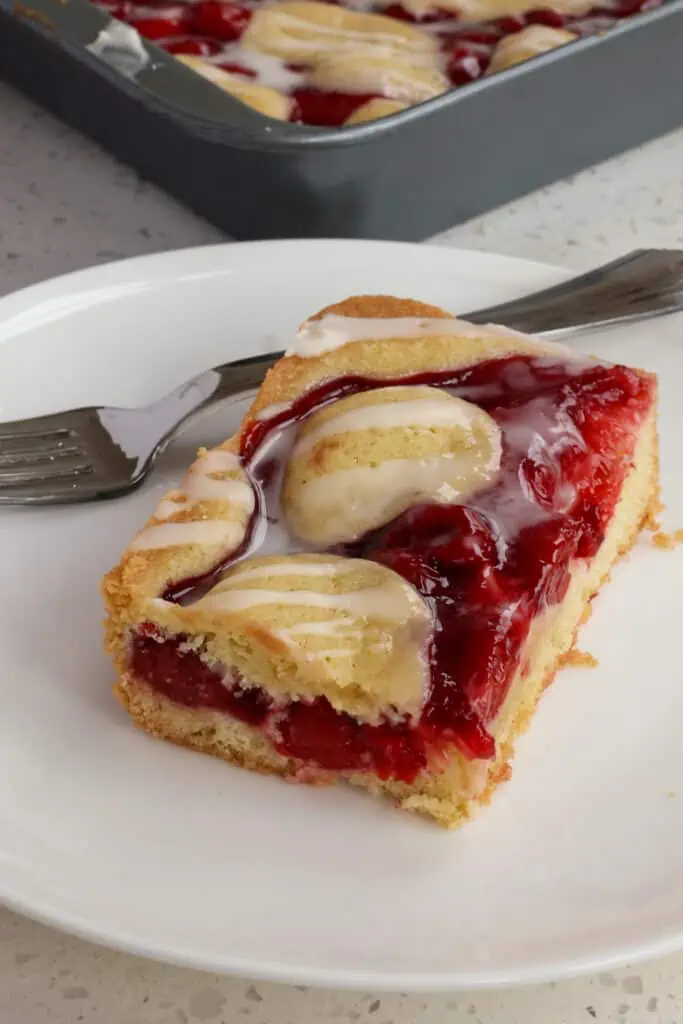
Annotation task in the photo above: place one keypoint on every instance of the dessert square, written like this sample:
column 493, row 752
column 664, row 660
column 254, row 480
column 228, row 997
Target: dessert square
column 344, row 63
column 376, row 578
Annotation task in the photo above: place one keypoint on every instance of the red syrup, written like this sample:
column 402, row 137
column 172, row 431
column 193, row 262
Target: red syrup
column 165, row 23
column 486, row 567
column 326, row 109
column 196, row 47
column 218, row 19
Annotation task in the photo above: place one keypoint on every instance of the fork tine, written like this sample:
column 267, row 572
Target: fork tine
column 80, row 454
column 34, row 476
column 25, row 451
column 54, row 491
column 41, row 426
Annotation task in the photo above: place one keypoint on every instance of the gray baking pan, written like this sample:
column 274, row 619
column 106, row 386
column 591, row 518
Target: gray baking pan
column 404, row 177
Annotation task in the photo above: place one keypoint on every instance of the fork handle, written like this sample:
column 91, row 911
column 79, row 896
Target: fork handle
column 644, row 283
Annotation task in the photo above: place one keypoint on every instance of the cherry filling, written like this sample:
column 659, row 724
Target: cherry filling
column 312, row 732
column 204, row 28
column 195, row 46
column 219, row 19
column 326, row 109
column 486, row 567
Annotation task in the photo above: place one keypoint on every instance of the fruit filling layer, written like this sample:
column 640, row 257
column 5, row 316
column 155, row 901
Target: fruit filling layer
column 486, row 566
column 332, row 63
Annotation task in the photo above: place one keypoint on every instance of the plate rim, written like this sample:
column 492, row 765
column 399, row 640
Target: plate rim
column 127, row 270
column 77, row 280
column 354, row 980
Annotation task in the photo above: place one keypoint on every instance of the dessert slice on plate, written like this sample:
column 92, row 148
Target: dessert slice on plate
column 377, row 576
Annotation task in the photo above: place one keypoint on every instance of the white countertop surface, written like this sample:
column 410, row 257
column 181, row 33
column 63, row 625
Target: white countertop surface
column 64, row 204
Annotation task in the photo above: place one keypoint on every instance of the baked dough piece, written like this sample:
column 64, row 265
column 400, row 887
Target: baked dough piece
column 530, row 42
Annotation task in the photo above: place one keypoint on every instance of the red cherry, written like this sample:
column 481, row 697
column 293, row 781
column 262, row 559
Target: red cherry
column 399, row 12
column 470, row 737
column 489, row 588
column 421, row 525
column 327, row 109
column 444, row 14
column 539, row 480
column 238, row 69
column 546, row 16
column 196, row 47
column 151, row 630
column 447, row 534
column 218, row 18
column 168, row 22
column 511, row 23
column 473, row 741
column 464, row 66
column 413, row 568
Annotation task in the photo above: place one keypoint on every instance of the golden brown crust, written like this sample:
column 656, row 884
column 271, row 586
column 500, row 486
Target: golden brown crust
column 375, row 108
column 384, row 358
column 267, row 101
column 527, row 43
column 368, row 307
column 574, row 658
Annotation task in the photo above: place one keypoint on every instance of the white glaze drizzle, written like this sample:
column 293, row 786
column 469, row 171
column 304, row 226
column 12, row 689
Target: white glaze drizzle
column 436, row 410
column 200, row 484
column 275, row 73
column 329, row 652
column 385, row 602
column 337, row 505
column 270, row 70
column 292, row 569
column 203, row 532
column 328, row 627
column 320, row 40
column 315, row 337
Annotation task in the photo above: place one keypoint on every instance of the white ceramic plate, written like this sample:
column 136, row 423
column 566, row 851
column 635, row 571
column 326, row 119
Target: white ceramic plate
column 576, row 866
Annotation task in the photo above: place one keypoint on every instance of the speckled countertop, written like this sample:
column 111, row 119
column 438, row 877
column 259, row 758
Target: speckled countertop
column 64, row 205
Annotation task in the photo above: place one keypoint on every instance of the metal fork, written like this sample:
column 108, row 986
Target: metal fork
column 84, row 454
